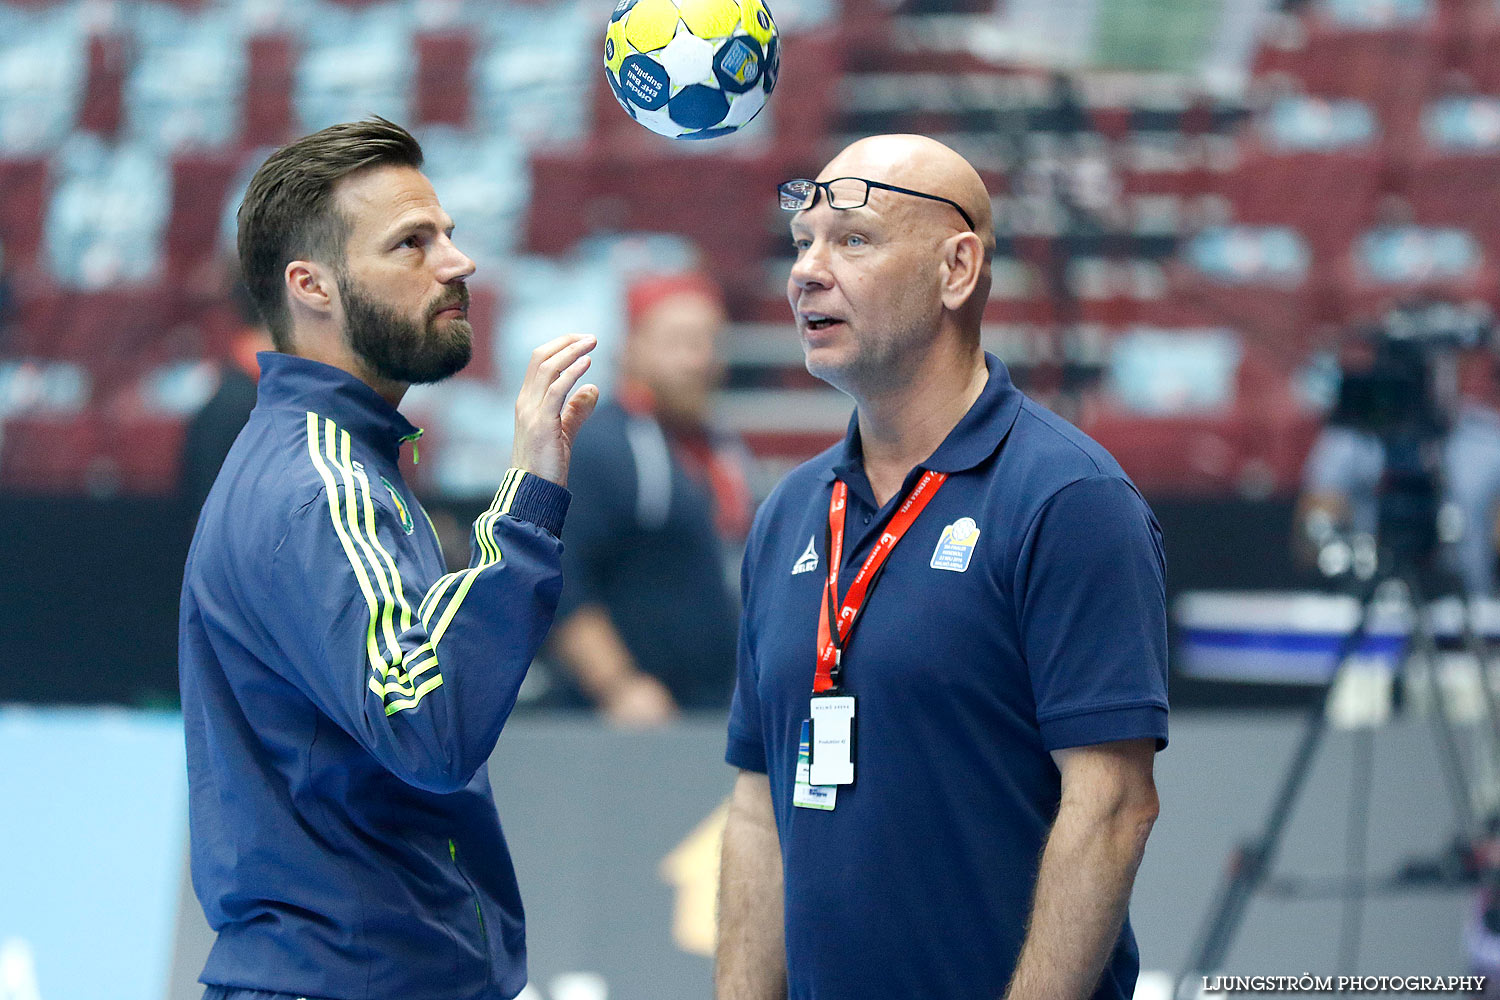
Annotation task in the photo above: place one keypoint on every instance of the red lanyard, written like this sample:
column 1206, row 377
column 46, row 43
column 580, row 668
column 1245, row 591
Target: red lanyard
column 831, row 642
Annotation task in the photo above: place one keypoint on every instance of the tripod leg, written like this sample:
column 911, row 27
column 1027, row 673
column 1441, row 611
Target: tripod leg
column 1425, row 645
column 1478, row 649
column 1251, row 861
column 1356, row 843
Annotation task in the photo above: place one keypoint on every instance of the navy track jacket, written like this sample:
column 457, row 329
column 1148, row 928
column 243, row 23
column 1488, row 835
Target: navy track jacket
column 341, row 694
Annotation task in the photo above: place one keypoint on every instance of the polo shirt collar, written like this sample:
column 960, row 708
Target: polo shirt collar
column 973, row 439
column 291, row 382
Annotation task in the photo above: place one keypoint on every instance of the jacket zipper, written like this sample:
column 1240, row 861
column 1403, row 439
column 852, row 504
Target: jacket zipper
column 453, row 856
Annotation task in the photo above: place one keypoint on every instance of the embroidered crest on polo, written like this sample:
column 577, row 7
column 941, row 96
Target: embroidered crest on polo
column 955, row 546
column 808, row 560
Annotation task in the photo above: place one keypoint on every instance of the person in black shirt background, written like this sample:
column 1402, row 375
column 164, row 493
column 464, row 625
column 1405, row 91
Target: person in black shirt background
column 647, row 622
column 217, row 423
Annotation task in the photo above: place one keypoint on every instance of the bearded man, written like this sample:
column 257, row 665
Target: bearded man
column 341, row 693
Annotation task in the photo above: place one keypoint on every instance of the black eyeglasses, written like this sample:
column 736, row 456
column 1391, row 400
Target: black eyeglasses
column 845, row 193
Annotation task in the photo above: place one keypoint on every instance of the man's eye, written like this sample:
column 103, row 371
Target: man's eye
column 855, row 241
column 411, row 242
column 801, row 245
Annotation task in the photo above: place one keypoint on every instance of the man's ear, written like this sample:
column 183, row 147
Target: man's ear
column 310, row 286
column 963, row 264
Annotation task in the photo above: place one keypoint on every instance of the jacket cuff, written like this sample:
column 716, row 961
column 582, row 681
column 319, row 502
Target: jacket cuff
column 538, row 500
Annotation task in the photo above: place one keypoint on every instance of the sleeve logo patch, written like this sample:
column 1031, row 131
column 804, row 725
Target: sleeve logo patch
column 402, row 510
column 956, row 546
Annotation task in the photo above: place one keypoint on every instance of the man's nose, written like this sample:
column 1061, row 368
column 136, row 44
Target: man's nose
column 455, row 265
column 811, row 267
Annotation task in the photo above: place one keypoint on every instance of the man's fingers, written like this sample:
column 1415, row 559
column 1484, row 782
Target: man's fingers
column 563, row 383
column 578, row 408
column 557, row 368
column 565, row 353
column 551, row 347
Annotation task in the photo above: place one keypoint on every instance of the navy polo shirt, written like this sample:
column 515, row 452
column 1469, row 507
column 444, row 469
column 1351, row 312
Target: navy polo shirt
column 1050, row 634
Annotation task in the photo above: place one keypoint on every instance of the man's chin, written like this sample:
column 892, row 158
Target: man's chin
column 459, row 336
column 426, row 370
column 824, row 364
column 446, row 370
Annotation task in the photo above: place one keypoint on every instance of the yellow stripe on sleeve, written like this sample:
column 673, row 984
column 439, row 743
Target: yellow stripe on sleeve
column 336, row 444
column 372, row 647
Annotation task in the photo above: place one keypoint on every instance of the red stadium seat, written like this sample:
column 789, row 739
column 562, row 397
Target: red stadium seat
column 1328, row 197
column 1388, row 68
column 484, row 315
column 48, row 454
column 268, row 90
column 1477, row 51
column 442, row 87
column 94, row 452
column 1282, row 318
column 103, row 99
column 144, row 453
column 23, row 205
column 115, row 334
column 200, row 185
column 1448, row 189
column 1193, row 455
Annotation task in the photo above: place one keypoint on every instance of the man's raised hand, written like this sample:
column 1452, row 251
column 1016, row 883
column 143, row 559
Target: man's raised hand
column 547, row 420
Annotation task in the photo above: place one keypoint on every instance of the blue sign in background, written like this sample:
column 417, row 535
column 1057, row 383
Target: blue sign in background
column 93, row 812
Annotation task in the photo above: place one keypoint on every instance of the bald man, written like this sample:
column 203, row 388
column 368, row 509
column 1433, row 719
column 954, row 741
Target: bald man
column 952, row 661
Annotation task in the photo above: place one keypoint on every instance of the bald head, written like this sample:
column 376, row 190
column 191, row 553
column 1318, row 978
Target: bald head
column 922, row 164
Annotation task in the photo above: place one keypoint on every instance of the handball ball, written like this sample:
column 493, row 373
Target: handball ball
column 693, row 69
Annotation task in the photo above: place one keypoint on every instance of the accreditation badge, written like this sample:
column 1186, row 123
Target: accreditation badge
column 832, row 750
column 806, row 795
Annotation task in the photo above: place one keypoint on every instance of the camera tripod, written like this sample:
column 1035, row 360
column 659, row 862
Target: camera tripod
column 1468, row 861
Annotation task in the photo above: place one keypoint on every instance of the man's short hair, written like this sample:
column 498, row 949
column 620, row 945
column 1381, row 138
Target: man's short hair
column 288, row 212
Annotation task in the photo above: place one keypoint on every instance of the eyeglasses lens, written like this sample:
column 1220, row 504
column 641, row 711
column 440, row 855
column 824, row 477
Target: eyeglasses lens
column 796, row 195
column 848, row 192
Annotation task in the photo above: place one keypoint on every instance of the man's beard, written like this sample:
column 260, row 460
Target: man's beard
column 399, row 350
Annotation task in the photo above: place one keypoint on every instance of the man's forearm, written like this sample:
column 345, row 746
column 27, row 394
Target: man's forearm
column 751, row 958
column 1082, row 893
column 593, row 651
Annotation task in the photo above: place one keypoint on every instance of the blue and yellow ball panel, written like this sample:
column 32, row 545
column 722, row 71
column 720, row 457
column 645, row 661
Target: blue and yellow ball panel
column 698, row 107
column 737, row 64
column 644, row 82
column 710, row 19
column 651, row 24
column 757, row 21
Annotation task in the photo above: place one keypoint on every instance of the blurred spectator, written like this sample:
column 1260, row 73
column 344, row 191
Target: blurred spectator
column 647, row 622
column 1398, row 251
column 212, row 430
